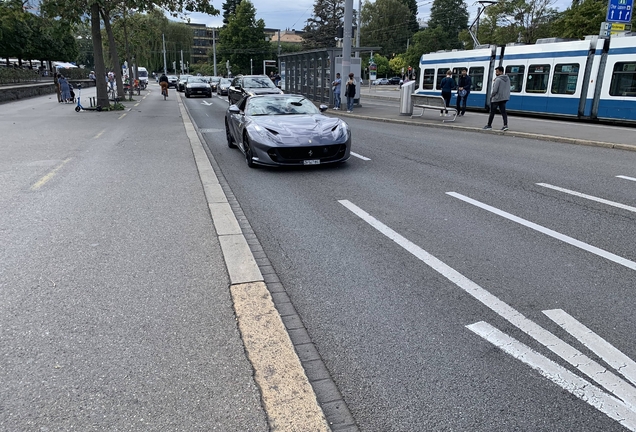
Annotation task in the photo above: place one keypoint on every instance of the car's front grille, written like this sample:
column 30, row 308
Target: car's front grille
column 325, row 153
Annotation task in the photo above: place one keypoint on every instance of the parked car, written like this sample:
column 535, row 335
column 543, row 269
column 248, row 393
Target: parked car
column 172, row 81
column 286, row 129
column 223, row 86
column 182, row 80
column 395, row 80
column 197, row 86
column 250, row 85
column 381, row 81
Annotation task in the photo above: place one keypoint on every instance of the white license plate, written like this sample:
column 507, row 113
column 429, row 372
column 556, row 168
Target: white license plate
column 312, row 162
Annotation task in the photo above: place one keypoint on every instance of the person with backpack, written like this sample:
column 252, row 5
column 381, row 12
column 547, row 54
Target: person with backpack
column 350, row 92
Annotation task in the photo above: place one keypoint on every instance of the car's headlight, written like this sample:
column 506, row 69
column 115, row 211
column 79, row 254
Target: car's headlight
column 342, row 131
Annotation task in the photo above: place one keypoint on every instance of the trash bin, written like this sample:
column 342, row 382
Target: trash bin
column 406, row 106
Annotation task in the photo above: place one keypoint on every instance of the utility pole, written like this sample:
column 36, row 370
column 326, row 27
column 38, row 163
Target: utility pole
column 181, row 62
column 358, row 29
column 214, row 49
column 251, row 68
column 165, row 66
column 346, row 41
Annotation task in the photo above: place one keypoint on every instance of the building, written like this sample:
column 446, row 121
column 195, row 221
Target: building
column 202, row 42
column 286, row 36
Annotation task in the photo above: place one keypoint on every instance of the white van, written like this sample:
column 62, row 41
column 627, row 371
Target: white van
column 143, row 76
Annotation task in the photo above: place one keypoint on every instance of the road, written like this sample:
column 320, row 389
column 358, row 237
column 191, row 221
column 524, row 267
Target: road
column 446, row 278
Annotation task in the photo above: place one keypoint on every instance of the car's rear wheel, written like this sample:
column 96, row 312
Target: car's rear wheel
column 249, row 154
column 228, row 136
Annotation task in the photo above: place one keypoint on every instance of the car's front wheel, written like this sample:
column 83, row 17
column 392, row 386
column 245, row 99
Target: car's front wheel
column 249, row 154
column 228, row 136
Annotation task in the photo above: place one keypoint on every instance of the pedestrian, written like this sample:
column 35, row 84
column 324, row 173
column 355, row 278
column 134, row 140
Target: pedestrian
column 350, row 92
column 447, row 85
column 499, row 95
column 92, row 77
column 111, row 80
column 65, row 90
column 463, row 90
column 337, row 87
column 57, row 87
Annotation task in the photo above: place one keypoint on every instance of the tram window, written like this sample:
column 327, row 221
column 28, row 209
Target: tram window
column 477, row 78
column 515, row 73
column 429, row 79
column 565, row 78
column 441, row 74
column 538, row 77
column 624, row 80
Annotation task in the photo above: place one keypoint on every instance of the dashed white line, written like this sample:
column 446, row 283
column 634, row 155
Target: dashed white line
column 572, row 241
column 599, row 346
column 589, row 197
column 592, row 369
column 626, row 178
column 364, row 158
column 565, row 379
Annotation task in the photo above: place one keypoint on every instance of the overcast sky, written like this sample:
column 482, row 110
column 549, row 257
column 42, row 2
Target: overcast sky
column 293, row 14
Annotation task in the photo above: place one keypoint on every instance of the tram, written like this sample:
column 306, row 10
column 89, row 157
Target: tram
column 592, row 79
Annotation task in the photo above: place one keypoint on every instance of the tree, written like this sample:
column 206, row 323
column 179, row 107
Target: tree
column 581, row 19
column 229, row 9
column 414, row 26
column 321, row 29
column 527, row 20
column 385, row 23
column 16, row 28
column 449, row 18
column 243, row 39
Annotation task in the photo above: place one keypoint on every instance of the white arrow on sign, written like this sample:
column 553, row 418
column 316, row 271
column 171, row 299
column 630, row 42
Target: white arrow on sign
column 207, row 103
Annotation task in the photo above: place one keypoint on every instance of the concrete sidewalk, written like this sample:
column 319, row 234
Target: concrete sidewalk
column 383, row 104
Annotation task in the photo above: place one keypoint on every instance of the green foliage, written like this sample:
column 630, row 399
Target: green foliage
column 242, row 39
column 381, row 62
column 581, row 19
column 9, row 75
column 413, row 26
column 385, row 23
column 229, row 9
column 321, row 29
column 398, row 63
column 518, row 21
column 286, row 47
column 448, row 19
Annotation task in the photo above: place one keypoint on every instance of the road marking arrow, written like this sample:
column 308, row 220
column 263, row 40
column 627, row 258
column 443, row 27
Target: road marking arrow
column 207, row 103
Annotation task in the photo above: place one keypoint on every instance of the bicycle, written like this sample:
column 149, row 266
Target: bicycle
column 164, row 90
column 112, row 94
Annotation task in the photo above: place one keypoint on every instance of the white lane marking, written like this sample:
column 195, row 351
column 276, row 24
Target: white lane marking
column 360, row 156
column 562, row 377
column 589, row 197
column 571, row 355
column 599, row 346
column 626, row 178
column 206, row 103
column 572, row 241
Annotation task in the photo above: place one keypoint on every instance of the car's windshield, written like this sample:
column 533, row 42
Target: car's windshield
column 225, row 81
column 257, row 106
column 196, row 79
column 258, row 82
column 215, row 79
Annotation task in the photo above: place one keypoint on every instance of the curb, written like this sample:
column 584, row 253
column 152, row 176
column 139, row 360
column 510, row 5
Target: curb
column 305, row 396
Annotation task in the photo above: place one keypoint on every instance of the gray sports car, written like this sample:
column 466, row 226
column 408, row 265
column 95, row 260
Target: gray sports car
column 286, row 130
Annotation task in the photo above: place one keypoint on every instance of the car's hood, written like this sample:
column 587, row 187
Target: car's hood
column 297, row 129
column 197, row 85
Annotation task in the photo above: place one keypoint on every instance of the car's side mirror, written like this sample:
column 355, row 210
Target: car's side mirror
column 323, row 108
column 234, row 109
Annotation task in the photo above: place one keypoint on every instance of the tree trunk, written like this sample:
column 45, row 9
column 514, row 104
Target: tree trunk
column 100, row 68
column 126, row 47
column 114, row 57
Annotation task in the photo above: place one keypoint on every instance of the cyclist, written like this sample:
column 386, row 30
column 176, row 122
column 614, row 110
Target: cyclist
column 163, row 82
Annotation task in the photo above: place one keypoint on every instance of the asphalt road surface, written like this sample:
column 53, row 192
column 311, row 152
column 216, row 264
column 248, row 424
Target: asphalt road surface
column 115, row 313
column 456, row 281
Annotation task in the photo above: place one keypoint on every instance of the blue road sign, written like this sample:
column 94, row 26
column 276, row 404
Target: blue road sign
column 620, row 11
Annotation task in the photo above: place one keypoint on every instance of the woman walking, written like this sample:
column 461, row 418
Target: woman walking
column 350, row 92
column 447, row 85
column 64, row 89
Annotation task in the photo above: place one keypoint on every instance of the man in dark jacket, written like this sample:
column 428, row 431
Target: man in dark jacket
column 463, row 90
column 499, row 95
